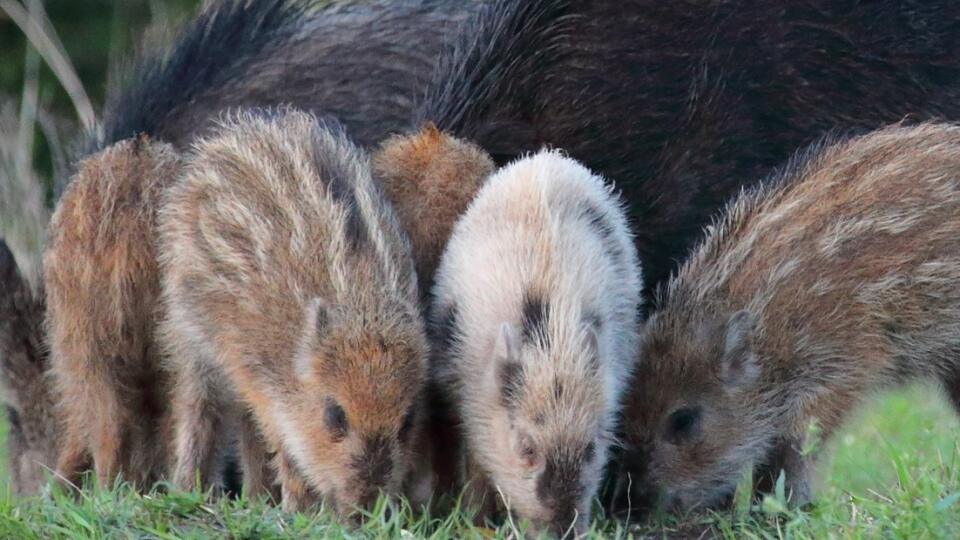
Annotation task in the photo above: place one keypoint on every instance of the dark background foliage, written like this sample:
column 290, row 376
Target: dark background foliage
column 96, row 35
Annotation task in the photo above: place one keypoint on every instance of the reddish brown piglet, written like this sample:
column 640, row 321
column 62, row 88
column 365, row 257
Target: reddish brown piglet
column 290, row 291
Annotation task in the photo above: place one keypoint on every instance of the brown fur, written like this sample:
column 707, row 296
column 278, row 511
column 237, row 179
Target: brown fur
column 290, row 53
column 430, row 177
column 290, row 292
column 34, row 426
column 841, row 279
column 102, row 289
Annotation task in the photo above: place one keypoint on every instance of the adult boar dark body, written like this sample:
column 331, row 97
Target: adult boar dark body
column 682, row 104
column 363, row 63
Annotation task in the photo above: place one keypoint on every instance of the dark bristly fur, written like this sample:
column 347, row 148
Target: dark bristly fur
column 483, row 73
column 353, row 61
column 679, row 102
column 682, row 103
column 216, row 50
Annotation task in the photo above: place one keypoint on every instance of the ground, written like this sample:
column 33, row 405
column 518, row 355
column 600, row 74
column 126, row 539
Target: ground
column 893, row 473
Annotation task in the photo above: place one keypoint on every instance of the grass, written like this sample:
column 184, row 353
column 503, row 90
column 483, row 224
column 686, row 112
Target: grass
column 894, row 473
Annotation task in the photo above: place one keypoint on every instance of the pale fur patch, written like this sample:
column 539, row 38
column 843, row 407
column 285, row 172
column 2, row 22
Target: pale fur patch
column 532, row 230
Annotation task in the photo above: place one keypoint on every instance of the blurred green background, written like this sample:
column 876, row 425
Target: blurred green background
column 95, row 33
column 98, row 37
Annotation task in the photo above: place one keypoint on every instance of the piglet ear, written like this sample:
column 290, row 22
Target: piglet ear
column 507, row 345
column 507, row 368
column 591, row 343
column 317, row 317
column 738, row 366
column 593, row 329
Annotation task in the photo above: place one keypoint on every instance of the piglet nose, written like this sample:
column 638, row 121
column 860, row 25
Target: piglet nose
column 633, row 502
column 374, row 464
column 355, row 519
column 365, row 505
column 673, row 504
column 368, row 499
column 567, row 527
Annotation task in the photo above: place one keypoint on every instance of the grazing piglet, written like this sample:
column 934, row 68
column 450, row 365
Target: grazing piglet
column 840, row 278
column 535, row 316
column 356, row 61
column 431, row 177
column 290, row 292
column 34, row 429
column 103, row 289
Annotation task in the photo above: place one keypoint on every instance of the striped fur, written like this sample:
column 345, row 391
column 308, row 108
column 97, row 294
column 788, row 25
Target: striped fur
column 290, row 292
column 431, row 177
column 838, row 279
column 361, row 62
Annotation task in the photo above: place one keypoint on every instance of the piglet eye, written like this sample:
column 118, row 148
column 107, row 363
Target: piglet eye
column 683, row 425
column 14, row 418
column 407, row 425
column 590, row 452
column 528, row 451
column 335, row 419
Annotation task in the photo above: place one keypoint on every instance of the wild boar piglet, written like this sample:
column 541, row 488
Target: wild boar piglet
column 103, row 290
column 535, row 313
column 841, row 278
column 290, row 291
